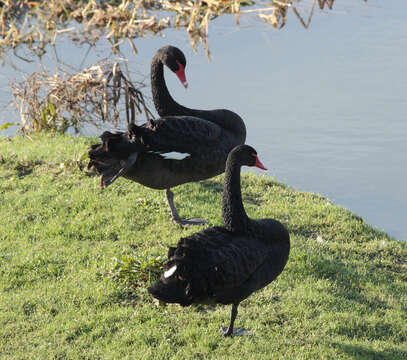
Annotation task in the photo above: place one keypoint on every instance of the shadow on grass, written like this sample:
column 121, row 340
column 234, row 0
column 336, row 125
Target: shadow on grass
column 362, row 352
column 24, row 169
column 213, row 186
column 351, row 296
column 349, row 281
column 122, row 296
column 303, row 231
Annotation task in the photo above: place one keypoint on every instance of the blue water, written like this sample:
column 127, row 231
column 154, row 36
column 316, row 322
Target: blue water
column 324, row 107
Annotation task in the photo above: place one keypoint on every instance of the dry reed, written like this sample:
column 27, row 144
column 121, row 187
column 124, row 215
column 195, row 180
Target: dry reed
column 35, row 25
column 97, row 95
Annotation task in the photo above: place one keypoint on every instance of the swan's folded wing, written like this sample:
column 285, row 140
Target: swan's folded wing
column 185, row 134
column 214, row 261
column 235, row 263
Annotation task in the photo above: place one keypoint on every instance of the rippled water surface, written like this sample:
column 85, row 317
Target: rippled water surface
column 324, row 107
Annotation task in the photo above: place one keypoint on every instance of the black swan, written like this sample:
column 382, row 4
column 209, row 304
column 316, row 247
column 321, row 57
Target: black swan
column 226, row 264
column 140, row 154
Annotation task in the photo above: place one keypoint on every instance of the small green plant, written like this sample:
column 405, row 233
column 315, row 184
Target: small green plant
column 49, row 120
column 134, row 274
column 136, row 270
column 6, row 125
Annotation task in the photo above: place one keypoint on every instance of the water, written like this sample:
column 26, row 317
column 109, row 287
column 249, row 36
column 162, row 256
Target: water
column 324, row 107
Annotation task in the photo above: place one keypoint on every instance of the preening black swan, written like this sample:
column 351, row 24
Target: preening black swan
column 140, row 154
column 226, row 264
column 165, row 105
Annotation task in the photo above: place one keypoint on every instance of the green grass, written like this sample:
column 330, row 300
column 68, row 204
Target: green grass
column 75, row 263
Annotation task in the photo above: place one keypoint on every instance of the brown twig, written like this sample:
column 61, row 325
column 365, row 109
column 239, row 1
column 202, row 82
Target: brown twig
column 309, row 16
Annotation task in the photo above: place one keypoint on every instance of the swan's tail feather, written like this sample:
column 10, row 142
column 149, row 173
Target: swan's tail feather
column 171, row 291
column 173, row 286
column 114, row 156
column 182, row 281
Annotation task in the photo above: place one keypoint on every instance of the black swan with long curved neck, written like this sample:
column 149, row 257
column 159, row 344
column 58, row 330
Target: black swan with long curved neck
column 164, row 103
column 226, row 264
column 141, row 154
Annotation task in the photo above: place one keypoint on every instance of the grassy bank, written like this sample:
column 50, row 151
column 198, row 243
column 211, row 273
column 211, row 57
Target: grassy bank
column 64, row 245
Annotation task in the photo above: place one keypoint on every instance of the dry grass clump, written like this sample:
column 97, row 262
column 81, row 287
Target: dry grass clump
column 99, row 94
column 34, row 25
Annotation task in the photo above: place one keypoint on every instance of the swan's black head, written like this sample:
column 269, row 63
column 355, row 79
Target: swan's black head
column 174, row 59
column 245, row 155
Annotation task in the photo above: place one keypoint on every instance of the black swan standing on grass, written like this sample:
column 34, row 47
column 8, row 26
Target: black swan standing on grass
column 204, row 138
column 226, row 264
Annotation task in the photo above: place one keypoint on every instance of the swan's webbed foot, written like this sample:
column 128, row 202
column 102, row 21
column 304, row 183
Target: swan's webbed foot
column 235, row 332
column 191, row 221
column 174, row 213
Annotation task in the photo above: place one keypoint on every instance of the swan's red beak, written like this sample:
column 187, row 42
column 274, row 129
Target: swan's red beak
column 181, row 75
column 258, row 163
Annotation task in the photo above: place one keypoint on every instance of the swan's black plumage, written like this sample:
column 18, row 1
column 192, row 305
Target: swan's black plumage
column 226, row 264
column 207, row 136
column 166, row 105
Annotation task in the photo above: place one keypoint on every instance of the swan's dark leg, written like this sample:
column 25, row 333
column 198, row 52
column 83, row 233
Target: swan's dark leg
column 233, row 314
column 231, row 330
column 174, row 213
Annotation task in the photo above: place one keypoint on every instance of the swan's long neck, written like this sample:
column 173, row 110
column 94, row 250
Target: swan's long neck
column 234, row 215
column 163, row 101
column 166, row 105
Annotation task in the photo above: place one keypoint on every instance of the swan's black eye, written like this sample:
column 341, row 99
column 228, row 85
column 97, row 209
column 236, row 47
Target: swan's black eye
column 180, row 66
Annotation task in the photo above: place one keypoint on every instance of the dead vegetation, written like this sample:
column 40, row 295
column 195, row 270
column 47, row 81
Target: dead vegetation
column 36, row 25
column 102, row 94
column 97, row 95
